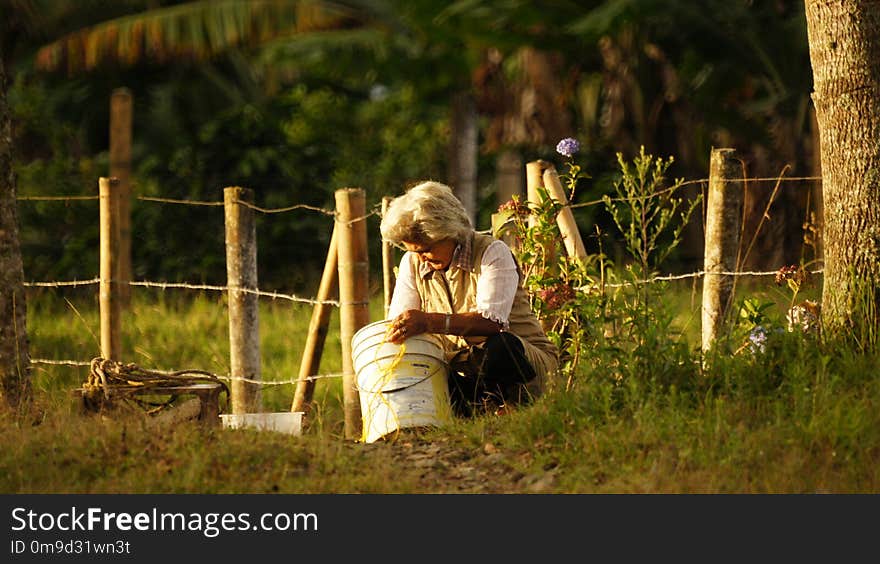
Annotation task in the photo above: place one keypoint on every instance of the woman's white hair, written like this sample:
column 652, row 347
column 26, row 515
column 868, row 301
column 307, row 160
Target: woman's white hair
column 426, row 213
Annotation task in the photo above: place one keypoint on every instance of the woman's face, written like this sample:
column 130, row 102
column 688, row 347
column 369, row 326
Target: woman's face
column 437, row 255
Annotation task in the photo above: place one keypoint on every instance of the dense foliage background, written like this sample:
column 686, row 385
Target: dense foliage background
column 368, row 104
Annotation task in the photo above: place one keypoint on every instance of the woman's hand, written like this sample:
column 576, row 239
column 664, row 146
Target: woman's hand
column 407, row 324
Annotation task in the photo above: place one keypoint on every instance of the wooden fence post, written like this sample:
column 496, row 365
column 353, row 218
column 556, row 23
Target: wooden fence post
column 120, row 167
column 241, row 280
column 318, row 326
column 723, row 225
column 388, row 278
column 354, row 281
column 571, row 236
column 109, row 298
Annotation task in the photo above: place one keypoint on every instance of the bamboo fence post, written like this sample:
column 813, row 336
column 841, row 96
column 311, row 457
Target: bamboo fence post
column 534, row 180
column 241, row 280
column 723, row 221
column 353, row 294
column 571, row 236
column 109, row 298
column 120, row 167
column 388, row 278
column 318, row 326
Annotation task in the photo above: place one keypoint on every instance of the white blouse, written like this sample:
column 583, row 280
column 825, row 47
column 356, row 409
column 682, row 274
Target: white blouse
column 496, row 286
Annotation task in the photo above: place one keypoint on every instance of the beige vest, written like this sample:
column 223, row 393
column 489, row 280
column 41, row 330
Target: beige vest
column 455, row 291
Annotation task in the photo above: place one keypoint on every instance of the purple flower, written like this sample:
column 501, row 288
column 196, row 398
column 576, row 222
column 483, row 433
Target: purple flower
column 568, row 147
column 758, row 339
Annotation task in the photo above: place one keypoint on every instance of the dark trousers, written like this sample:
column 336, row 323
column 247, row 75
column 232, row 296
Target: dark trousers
column 492, row 373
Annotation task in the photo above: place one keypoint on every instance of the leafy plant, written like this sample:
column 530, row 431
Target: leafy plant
column 582, row 302
column 650, row 219
column 646, row 211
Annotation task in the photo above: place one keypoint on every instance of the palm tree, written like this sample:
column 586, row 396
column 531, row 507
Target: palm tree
column 190, row 30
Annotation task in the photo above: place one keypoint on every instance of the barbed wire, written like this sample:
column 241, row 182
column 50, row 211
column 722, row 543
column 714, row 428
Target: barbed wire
column 286, row 209
column 312, row 378
column 329, row 212
column 157, row 199
column 697, row 274
column 179, row 201
column 63, row 283
column 188, row 286
column 336, row 303
column 756, row 179
column 691, row 182
column 60, row 362
column 214, row 203
column 284, row 382
column 257, row 292
column 55, row 198
column 268, row 211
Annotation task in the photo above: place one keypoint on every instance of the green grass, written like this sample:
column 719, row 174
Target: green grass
column 803, row 417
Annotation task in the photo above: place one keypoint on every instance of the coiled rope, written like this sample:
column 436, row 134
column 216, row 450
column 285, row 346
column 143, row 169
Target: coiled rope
column 109, row 379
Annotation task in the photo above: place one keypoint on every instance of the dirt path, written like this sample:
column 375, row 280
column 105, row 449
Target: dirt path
column 440, row 466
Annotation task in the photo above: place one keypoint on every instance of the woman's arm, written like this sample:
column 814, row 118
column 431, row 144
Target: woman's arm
column 498, row 283
column 405, row 295
column 415, row 322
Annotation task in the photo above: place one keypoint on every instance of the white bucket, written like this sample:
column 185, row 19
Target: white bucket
column 401, row 385
column 289, row 422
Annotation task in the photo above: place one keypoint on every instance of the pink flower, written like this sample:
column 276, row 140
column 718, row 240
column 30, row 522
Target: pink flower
column 556, row 296
column 515, row 207
column 792, row 272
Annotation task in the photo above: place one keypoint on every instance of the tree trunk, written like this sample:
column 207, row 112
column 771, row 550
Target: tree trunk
column 816, row 209
column 14, row 358
column 463, row 149
column 844, row 38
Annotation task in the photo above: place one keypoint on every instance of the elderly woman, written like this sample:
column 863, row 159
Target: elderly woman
column 465, row 287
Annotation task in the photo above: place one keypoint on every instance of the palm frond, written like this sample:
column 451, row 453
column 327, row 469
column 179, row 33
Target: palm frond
column 195, row 30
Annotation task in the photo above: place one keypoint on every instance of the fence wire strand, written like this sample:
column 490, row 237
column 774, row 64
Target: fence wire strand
column 692, row 182
column 62, row 283
column 181, row 202
column 257, row 292
column 188, row 286
column 312, row 378
column 55, row 198
column 697, row 274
